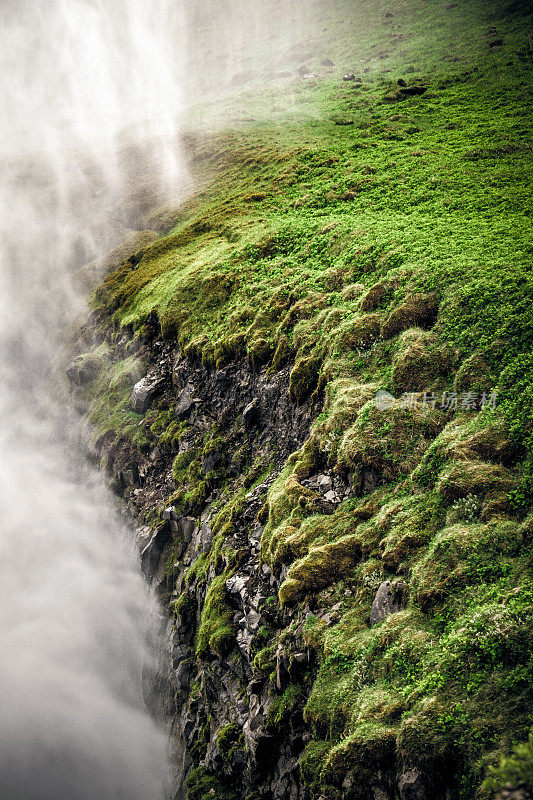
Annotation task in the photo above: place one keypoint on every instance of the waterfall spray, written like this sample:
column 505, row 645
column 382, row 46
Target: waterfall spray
column 90, row 103
column 85, row 82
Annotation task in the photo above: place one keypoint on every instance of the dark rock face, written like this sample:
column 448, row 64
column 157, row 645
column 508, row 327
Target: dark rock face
column 185, row 403
column 411, row 786
column 388, row 600
column 235, row 691
column 213, row 697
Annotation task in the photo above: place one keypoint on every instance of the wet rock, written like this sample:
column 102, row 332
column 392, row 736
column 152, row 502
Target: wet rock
column 151, row 552
column 411, row 786
column 251, row 413
column 389, row 599
column 325, row 483
column 144, row 392
column 211, row 462
column 185, row 403
column 237, row 586
column 83, row 370
column 252, row 621
column 206, row 538
column 244, row 641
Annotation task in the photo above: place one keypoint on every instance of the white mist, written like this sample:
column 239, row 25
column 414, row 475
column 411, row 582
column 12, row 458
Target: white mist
column 91, row 95
column 80, row 80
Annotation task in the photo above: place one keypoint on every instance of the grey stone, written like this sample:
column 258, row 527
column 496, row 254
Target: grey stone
column 251, row 413
column 325, row 483
column 388, row 600
column 185, row 403
column 252, row 621
column 206, row 537
column 244, row 641
column 187, row 526
column 152, row 551
column 237, row 585
column 144, row 392
column 83, row 370
column 411, row 786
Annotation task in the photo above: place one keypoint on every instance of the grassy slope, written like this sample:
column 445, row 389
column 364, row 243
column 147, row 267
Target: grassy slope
column 296, row 218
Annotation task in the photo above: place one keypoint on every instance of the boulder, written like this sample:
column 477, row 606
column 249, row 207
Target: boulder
column 185, row 403
column 251, row 413
column 151, row 552
column 83, row 370
column 411, row 786
column 144, row 392
column 388, row 600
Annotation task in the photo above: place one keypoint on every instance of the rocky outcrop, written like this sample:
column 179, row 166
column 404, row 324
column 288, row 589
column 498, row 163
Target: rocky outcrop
column 224, row 701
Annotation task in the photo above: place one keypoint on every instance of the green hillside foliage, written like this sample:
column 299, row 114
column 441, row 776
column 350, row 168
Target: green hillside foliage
column 374, row 240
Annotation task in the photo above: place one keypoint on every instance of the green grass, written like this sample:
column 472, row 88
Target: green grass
column 390, row 253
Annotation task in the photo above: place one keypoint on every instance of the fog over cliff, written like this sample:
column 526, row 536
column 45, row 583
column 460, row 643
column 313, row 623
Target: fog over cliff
column 84, row 83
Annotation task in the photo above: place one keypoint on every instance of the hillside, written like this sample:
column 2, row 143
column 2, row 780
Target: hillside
column 333, row 458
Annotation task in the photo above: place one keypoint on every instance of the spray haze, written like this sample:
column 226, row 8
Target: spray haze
column 91, row 100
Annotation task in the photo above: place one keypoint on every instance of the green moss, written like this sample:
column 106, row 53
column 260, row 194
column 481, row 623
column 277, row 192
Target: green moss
column 216, row 635
column 304, row 378
column 515, row 770
column 282, row 707
column 388, row 254
column 181, row 464
column 230, row 741
column 202, row 786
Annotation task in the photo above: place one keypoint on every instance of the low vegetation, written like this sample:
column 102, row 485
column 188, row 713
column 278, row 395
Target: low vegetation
column 388, row 254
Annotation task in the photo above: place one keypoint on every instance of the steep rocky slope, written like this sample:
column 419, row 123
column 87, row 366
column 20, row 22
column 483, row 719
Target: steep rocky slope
column 311, row 384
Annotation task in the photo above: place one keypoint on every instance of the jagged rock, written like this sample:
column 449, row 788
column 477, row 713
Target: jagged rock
column 325, row 483
column 237, row 585
column 152, row 551
column 144, row 392
column 388, row 600
column 244, row 641
column 251, row 412
column 183, row 674
column 83, row 370
column 206, row 538
column 185, row 403
column 252, row 621
column 411, row 786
